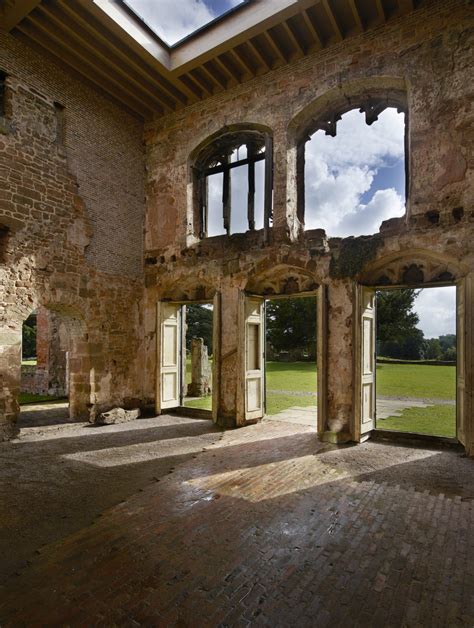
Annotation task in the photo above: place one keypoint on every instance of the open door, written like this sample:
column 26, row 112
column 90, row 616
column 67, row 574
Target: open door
column 168, row 356
column 461, row 360
column 365, row 363
column 254, row 309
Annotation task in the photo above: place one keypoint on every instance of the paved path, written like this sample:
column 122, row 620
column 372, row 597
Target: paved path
column 267, row 527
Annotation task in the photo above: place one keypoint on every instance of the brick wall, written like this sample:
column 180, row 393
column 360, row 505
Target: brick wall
column 73, row 212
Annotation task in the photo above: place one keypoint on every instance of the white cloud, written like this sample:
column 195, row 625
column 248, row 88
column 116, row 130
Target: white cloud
column 174, row 19
column 436, row 308
column 340, row 170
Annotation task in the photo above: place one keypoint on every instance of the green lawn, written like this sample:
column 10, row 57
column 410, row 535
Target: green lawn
column 294, row 376
column 420, row 381
column 278, row 403
column 436, row 420
column 26, row 398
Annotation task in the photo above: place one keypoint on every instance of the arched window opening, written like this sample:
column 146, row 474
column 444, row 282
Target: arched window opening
column 355, row 173
column 233, row 180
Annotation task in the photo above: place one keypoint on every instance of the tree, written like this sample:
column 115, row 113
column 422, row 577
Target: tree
column 433, row 349
column 28, row 348
column 291, row 324
column 396, row 319
column 199, row 321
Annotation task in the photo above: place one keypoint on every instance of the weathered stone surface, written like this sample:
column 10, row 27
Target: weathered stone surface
column 200, row 369
column 117, row 415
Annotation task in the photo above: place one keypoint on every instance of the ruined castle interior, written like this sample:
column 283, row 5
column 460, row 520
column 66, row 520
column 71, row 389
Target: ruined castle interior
column 140, row 178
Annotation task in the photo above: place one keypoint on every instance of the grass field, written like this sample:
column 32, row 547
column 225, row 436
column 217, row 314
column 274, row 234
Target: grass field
column 418, row 381
column 435, row 420
column 26, row 398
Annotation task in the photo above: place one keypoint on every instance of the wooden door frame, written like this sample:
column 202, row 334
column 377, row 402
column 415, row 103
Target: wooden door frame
column 466, row 281
column 320, row 295
column 216, row 335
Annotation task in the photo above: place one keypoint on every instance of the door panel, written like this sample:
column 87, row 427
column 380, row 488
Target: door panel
column 169, row 356
column 368, row 364
column 254, row 358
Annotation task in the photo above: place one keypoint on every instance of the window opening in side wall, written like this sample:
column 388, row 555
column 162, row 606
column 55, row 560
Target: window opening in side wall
column 355, row 170
column 233, row 179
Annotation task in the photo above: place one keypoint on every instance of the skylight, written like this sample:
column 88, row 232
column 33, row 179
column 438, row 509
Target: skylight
column 174, row 20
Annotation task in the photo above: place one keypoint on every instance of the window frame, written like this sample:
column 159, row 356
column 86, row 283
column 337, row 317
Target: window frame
column 215, row 158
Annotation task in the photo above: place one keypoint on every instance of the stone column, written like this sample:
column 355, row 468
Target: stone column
column 229, row 367
column 200, row 369
column 10, row 380
column 339, row 363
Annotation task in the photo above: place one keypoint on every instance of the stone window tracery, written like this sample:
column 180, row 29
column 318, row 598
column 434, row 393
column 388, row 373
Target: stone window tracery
column 233, row 184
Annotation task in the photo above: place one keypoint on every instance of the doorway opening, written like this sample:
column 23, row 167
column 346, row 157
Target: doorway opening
column 416, row 360
column 197, row 319
column 45, row 369
column 186, row 348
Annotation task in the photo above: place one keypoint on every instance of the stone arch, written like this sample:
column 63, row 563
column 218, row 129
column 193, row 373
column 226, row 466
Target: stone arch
column 371, row 96
column 282, row 279
column 213, row 152
column 185, row 287
column 415, row 267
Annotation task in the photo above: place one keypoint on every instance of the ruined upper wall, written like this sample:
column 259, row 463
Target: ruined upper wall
column 102, row 145
column 427, row 53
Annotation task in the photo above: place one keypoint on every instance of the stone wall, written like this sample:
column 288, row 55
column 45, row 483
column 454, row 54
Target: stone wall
column 71, row 210
column 427, row 55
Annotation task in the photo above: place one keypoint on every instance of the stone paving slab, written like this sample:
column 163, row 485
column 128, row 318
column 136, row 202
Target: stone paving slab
column 270, row 527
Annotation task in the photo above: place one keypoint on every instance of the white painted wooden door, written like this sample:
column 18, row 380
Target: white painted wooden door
column 461, row 360
column 169, row 356
column 254, row 357
column 368, row 362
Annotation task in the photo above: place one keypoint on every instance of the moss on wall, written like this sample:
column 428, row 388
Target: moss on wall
column 352, row 254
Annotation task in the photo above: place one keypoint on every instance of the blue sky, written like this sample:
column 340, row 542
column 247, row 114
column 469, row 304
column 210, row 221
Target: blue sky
column 356, row 180
column 174, row 19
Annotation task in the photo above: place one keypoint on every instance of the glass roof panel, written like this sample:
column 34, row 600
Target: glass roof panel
column 174, row 20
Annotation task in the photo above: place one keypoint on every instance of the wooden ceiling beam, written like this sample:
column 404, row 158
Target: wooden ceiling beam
column 211, row 77
column 357, row 15
column 74, row 32
column 243, row 63
column 274, row 46
column 312, row 30
column 194, row 76
column 102, row 21
column 258, row 54
column 50, row 43
column 234, row 79
column 406, row 6
column 380, row 10
column 332, row 18
column 127, row 56
column 294, row 40
column 12, row 12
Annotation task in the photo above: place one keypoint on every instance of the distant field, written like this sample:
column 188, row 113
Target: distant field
column 416, row 380
column 26, row 398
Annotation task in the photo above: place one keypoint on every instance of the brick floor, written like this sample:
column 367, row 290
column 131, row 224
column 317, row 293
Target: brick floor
column 269, row 527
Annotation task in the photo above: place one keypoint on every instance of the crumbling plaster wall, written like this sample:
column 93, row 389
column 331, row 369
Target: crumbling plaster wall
column 74, row 212
column 429, row 53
